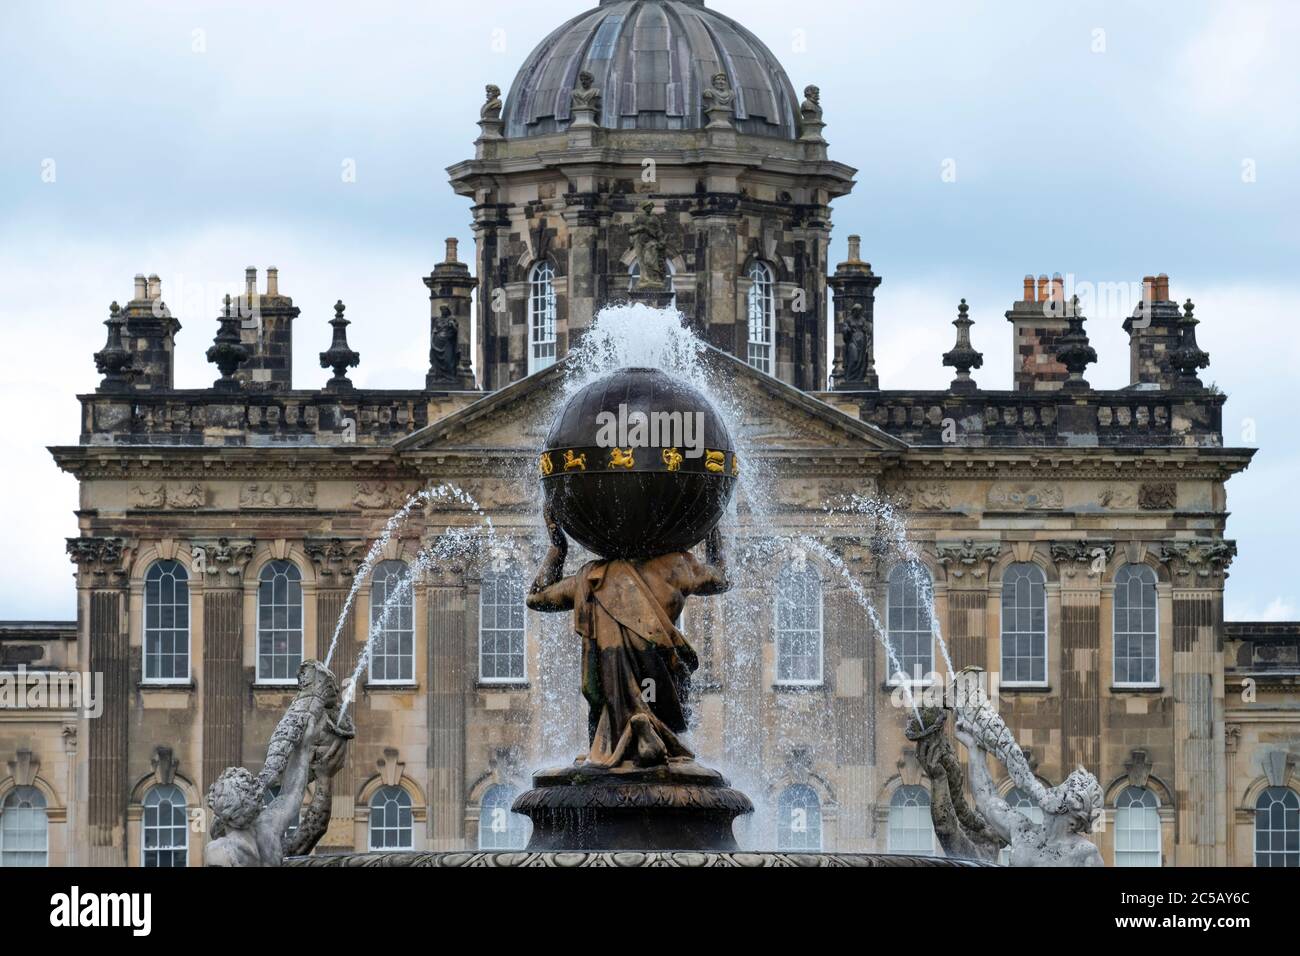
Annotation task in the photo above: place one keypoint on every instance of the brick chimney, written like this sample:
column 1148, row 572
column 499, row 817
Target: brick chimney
column 1153, row 332
column 150, row 335
column 1037, row 322
column 266, row 328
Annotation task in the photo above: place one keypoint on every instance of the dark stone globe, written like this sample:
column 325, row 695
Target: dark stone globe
column 638, row 464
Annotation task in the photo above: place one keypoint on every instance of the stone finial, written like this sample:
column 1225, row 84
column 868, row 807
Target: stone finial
column 1073, row 350
column 963, row 356
column 113, row 361
column 585, row 102
column 1188, row 358
column 227, row 353
column 339, row 356
column 719, row 102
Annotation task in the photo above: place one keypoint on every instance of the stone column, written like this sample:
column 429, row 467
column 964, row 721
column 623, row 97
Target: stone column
column 102, row 565
column 715, row 284
column 1080, row 577
column 450, row 674
column 1198, row 569
column 224, row 686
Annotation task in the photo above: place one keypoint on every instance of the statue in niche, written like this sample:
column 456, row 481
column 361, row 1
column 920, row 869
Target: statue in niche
column 585, row 100
column 624, row 611
column 492, row 106
column 857, row 345
column 647, row 234
column 309, row 744
column 719, row 102
column 444, row 352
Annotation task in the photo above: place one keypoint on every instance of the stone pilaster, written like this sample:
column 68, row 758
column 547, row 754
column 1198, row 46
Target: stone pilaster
column 221, row 562
column 854, row 702
column 968, row 563
column 1198, row 569
column 450, row 678
column 1081, row 565
column 102, row 565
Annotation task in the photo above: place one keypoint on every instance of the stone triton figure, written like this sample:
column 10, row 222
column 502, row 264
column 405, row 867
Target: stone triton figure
column 636, row 664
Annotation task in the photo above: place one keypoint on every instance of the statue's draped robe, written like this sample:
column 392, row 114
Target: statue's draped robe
column 634, row 659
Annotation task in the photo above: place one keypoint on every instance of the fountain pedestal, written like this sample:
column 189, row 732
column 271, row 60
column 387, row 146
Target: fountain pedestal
column 675, row 806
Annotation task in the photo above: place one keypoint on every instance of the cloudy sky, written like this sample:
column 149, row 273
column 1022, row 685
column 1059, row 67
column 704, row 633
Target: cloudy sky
column 1105, row 141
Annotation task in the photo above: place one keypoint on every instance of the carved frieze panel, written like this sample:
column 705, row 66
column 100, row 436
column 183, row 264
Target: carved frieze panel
column 278, row 494
column 159, row 494
column 1025, row 496
column 925, row 496
column 383, row 495
column 1158, row 496
column 1121, row 497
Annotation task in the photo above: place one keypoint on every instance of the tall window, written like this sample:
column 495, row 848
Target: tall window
column 392, row 621
column 501, row 628
column 279, row 622
column 24, row 828
column 498, row 827
column 910, row 828
column 1137, row 643
column 541, row 317
column 799, row 626
column 390, row 820
column 908, row 612
column 634, row 280
column 166, row 622
column 1024, row 804
column 1277, row 828
column 1137, row 828
column 165, row 827
column 798, row 819
column 762, row 317
column 1024, row 625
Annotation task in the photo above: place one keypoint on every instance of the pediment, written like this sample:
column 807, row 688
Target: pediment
column 775, row 416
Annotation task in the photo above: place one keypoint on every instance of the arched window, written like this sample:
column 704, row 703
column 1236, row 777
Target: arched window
column 164, row 828
column 1137, row 642
column 279, row 623
column 762, row 317
column 501, row 628
column 799, row 626
column 1024, row 625
column 166, row 622
column 798, row 819
column 392, row 622
column 1021, row 802
column 1137, row 828
column 24, row 828
column 1277, row 828
column 498, row 827
column 541, row 317
column 390, row 820
column 910, row 828
column 634, row 279
column 908, row 611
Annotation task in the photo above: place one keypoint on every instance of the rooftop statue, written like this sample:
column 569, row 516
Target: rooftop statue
column 648, row 242
column 585, row 101
column 719, row 102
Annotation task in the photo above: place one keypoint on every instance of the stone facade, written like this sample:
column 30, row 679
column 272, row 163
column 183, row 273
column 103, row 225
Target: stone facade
column 228, row 481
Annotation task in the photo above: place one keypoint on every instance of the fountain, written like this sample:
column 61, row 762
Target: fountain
column 643, row 464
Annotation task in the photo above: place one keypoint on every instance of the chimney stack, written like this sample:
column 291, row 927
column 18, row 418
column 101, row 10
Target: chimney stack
column 1037, row 322
column 272, row 281
column 452, row 246
column 1153, row 334
column 149, row 334
column 250, row 286
column 141, row 288
column 266, row 331
column 154, row 285
column 855, row 249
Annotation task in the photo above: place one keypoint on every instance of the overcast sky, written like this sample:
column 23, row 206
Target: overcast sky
column 1105, row 141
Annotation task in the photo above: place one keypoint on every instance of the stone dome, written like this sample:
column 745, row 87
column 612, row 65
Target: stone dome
column 652, row 59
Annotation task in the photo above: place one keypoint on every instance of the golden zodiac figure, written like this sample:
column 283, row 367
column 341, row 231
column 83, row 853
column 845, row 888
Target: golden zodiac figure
column 622, row 459
column 574, row 462
column 714, row 461
column 546, row 464
column 672, row 458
